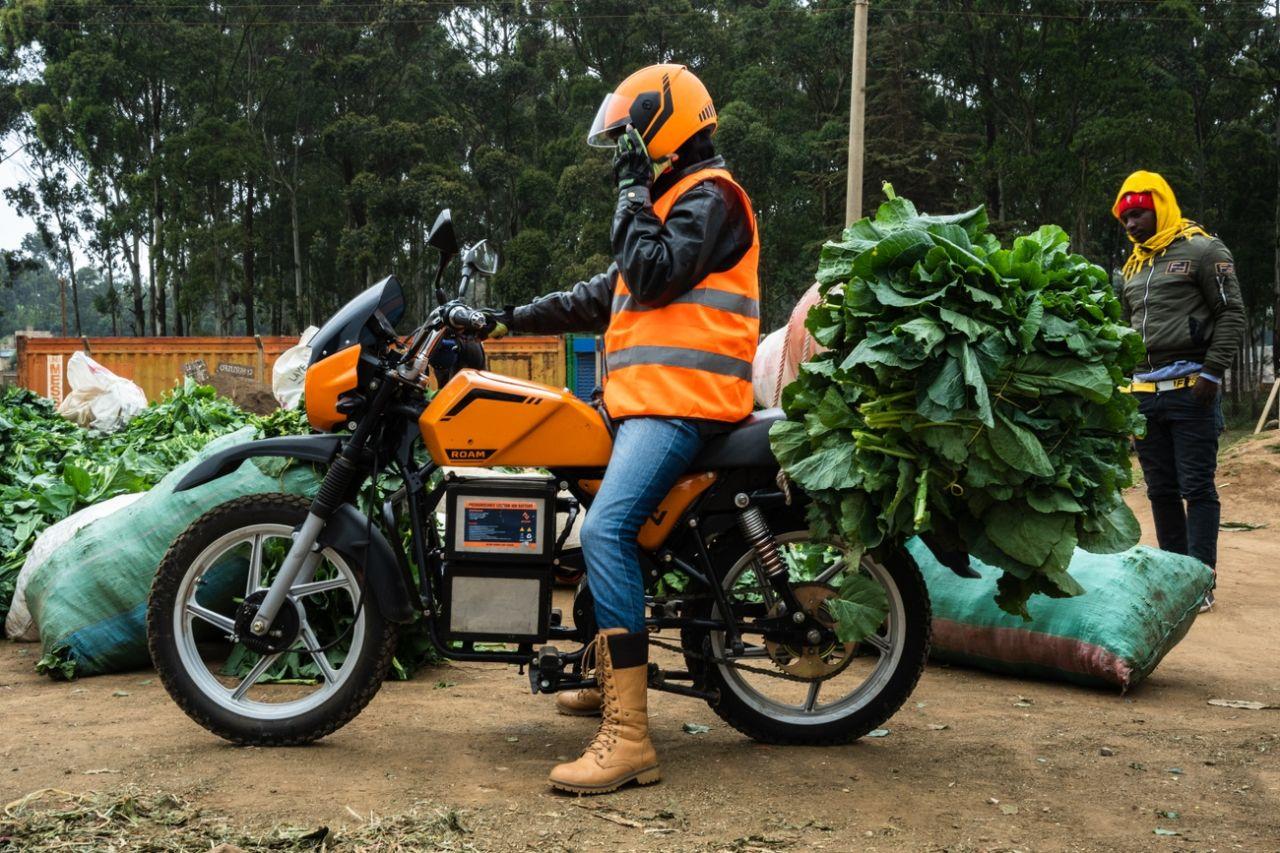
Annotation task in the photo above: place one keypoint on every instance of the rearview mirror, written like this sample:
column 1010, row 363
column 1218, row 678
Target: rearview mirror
column 483, row 257
column 442, row 236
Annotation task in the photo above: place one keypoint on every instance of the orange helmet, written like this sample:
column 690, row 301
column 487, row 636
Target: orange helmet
column 667, row 104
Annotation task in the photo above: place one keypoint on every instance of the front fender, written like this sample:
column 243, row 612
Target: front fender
column 349, row 533
column 320, row 449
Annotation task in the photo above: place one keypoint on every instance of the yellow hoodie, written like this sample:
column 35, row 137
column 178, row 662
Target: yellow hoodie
column 1170, row 224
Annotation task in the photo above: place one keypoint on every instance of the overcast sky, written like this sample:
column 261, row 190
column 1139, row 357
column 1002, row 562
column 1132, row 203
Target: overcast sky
column 12, row 226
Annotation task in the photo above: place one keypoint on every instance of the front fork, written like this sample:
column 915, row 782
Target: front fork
column 304, row 554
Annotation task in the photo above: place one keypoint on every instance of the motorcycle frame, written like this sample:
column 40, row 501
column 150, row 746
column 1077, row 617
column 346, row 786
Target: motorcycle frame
column 390, row 425
column 420, row 501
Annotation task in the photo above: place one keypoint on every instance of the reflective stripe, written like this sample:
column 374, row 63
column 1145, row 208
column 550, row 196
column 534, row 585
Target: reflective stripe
column 722, row 300
column 697, row 359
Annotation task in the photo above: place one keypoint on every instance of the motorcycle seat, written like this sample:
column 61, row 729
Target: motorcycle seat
column 745, row 445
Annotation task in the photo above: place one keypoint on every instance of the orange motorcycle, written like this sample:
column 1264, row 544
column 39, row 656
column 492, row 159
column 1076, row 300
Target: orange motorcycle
column 273, row 619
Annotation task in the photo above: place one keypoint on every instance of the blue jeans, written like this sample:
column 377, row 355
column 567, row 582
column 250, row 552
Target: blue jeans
column 649, row 455
column 1179, row 458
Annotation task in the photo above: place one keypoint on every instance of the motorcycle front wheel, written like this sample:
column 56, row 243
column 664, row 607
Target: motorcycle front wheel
column 827, row 694
column 329, row 650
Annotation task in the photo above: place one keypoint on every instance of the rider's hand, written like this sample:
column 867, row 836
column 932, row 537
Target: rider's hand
column 1205, row 391
column 497, row 322
column 631, row 163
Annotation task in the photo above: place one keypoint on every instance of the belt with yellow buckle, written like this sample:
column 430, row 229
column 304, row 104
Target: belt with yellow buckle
column 1136, row 387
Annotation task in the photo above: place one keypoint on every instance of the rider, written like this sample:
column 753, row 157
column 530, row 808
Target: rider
column 679, row 308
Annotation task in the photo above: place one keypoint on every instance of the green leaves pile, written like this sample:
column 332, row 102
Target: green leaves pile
column 969, row 395
column 53, row 468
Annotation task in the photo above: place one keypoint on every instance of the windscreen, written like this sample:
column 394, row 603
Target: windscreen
column 355, row 324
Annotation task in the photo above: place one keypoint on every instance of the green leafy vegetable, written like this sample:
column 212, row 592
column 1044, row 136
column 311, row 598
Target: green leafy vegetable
column 968, row 394
column 54, row 468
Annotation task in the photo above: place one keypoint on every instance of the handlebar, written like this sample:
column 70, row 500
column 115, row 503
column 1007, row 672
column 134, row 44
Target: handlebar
column 468, row 319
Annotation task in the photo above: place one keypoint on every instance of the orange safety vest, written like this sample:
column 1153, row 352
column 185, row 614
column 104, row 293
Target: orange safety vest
column 692, row 357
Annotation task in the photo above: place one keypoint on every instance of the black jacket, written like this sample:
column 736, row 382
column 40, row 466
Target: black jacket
column 707, row 230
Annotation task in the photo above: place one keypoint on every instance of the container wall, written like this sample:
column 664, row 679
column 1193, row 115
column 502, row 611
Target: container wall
column 536, row 357
column 157, row 364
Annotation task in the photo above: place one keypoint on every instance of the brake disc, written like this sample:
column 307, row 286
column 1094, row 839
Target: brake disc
column 806, row 662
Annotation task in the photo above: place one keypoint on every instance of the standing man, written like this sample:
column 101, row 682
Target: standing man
column 680, row 311
column 1179, row 289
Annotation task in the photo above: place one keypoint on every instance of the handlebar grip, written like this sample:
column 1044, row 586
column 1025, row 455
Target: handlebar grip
column 462, row 317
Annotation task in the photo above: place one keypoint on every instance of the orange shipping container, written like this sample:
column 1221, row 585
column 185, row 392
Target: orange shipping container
column 157, row 364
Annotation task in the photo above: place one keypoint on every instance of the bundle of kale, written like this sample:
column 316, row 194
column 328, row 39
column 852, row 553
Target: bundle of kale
column 969, row 395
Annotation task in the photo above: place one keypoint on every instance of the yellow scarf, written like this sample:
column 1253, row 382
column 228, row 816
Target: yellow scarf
column 1169, row 222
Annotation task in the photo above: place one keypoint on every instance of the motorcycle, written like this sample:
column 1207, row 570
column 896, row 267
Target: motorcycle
column 273, row 619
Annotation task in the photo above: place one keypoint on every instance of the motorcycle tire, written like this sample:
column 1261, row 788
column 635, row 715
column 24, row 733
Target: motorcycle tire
column 361, row 677
column 777, row 724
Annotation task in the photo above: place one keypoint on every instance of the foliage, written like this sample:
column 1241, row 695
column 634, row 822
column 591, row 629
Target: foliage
column 54, row 468
column 129, row 818
column 969, row 394
column 271, row 159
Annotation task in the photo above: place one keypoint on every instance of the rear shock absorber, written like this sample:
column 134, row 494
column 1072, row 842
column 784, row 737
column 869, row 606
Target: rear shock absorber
column 775, row 582
column 756, row 531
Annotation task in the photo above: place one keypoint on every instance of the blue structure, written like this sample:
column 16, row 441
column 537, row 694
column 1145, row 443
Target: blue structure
column 584, row 365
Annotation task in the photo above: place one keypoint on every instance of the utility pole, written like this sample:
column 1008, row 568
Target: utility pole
column 62, row 293
column 857, row 109
column 1275, row 308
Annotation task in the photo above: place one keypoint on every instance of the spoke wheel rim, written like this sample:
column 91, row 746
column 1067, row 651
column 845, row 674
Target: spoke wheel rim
column 890, row 649
column 199, row 670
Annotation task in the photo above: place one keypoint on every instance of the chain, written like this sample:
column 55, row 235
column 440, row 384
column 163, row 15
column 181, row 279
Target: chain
column 772, row 673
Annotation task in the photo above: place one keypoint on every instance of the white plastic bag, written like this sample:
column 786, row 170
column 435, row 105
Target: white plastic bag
column 19, row 625
column 289, row 372
column 99, row 399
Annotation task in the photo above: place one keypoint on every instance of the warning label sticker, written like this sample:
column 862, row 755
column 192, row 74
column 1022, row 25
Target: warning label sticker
column 502, row 524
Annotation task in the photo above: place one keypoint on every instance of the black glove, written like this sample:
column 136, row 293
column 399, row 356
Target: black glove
column 631, row 163
column 1205, row 391
column 497, row 322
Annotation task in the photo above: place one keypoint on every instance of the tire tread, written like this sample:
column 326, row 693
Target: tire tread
column 872, row 716
column 164, row 589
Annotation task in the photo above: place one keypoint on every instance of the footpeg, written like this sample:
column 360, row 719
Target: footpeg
column 545, row 670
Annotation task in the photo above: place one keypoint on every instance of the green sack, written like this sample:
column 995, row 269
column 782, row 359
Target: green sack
column 89, row 598
column 1136, row 606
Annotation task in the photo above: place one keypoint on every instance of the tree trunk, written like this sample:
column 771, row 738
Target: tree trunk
column 159, row 271
column 299, row 315
column 1275, row 282
column 113, row 303
column 248, row 257
column 178, row 328
column 71, row 269
column 153, row 324
column 135, row 272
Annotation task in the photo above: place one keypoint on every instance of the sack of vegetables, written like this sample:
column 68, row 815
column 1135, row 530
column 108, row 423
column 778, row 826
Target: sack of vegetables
column 968, row 395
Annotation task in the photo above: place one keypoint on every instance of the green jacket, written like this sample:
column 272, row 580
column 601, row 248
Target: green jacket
column 1187, row 305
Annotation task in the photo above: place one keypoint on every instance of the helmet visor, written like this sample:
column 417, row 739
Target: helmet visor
column 611, row 119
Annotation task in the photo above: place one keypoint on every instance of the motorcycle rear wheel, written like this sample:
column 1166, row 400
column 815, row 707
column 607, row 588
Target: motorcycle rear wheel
column 226, row 555
column 859, row 687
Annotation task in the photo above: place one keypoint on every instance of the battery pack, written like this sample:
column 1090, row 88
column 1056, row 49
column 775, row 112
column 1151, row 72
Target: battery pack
column 510, row 520
column 496, row 603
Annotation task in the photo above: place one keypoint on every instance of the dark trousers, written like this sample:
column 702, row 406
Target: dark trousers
column 1179, row 457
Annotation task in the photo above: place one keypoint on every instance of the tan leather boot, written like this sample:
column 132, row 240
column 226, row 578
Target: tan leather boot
column 621, row 751
column 587, row 701
column 580, row 703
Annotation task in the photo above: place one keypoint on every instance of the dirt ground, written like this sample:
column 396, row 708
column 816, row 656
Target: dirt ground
column 998, row 777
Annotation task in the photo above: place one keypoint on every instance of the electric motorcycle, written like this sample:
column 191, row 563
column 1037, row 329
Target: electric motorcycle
column 273, row 618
